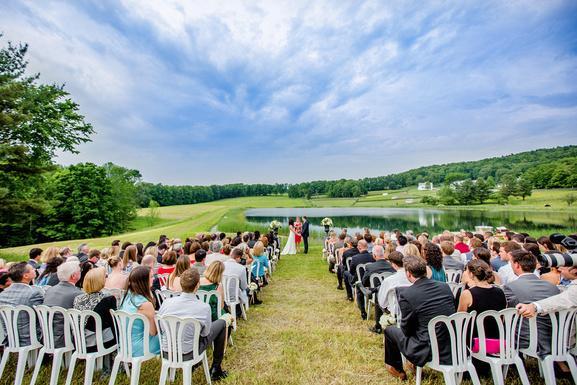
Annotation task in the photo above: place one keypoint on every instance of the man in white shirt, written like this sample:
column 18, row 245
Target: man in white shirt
column 214, row 254
column 506, row 273
column 233, row 268
column 188, row 305
column 390, row 283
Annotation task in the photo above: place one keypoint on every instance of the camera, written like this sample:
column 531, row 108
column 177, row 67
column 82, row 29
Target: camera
column 558, row 259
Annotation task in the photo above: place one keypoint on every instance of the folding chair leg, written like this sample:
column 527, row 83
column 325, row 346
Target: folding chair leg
column 522, row 372
column 572, row 367
column 135, row 375
column 206, row 370
column 187, row 375
column 5, row 356
column 450, row 378
column 163, row 375
column 21, row 366
column 114, row 372
column 418, row 375
column 37, row 367
column 497, row 372
column 56, row 364
column 89, row 371
column 548, row 371
column 172, row 374
column 472, row 374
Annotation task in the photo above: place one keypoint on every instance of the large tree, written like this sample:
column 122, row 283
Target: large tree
column 35, row 120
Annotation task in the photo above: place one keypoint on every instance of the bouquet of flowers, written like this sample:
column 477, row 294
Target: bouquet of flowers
column 275, row 225
column 252, row 287
column 387, row 320
column 327, row 222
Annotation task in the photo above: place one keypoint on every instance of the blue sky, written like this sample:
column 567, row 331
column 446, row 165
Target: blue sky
column 201, row 92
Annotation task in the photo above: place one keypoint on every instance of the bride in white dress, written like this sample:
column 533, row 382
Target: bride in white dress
column 291, row 246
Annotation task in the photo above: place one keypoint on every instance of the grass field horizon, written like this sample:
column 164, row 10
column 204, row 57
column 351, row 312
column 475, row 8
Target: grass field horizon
column 228, row 214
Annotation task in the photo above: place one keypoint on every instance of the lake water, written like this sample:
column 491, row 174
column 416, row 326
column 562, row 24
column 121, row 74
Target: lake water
column 431, row 220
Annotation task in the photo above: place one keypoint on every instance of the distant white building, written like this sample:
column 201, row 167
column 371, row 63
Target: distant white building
column 425, row 186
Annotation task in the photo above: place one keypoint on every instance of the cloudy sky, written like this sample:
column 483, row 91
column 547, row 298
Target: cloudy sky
column 201, row 92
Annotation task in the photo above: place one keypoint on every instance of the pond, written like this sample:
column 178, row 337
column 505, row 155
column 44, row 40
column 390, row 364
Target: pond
column 431, row 220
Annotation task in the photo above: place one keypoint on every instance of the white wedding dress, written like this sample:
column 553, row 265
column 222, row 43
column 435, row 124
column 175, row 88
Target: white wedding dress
column 291, row 245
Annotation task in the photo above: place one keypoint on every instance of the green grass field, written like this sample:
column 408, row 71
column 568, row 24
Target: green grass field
column 306, row 332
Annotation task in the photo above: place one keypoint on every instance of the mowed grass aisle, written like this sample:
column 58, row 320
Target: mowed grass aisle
column 305, row 332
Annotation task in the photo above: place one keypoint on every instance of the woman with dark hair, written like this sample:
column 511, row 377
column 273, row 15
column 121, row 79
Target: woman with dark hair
column 49, row 276
column 129, row 258
column 168, row 262
column 139, row 299
column 84, row 269
column 434, row 257
column 139, row 252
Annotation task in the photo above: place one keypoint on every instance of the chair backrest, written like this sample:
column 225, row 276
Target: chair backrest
column 562, row 331
column 172, row 331
column 453, row 276
column 206, row 295
column 116, row 293
column 332, row 249
column 393, row 305
column 123, row 325
column 270, row 252
column 455, row 288
column 508, row 322
column 348, row 264
column 83, row 339
column 459, row 335
column 46, row 315
column 377, row 279
column 13, row 316
column 361, row 267
column 231, row 289
column 162, row 295
column 163, row 279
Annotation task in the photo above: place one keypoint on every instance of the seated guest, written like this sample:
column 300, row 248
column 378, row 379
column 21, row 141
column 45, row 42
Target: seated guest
column 117, row 278
column 496, row 261
column 401, row 242
column 84, row 269
column 182, row 264
column 63, row 295
column 351, row 275
column 20, row 292
column 259, row 256
column 168, row 263
column 506, row 273
column 212, row 333
column 450, row 261
column 419, row 303
column 459, row 244
column 398, row 279
column 215, row 253
column 49, row 276
column 412, row 250
column 35, row 255
column 130, row 258
column 139, row 299
column 434, row 258
column 199, row 257
column 233, row 268
column 351, row 251
column 100, row 303
column 526, row 289
column 380, row 265
column 211, row 281
column 483, row 254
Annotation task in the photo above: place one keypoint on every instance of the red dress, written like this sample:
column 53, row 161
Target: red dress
column 298, row 230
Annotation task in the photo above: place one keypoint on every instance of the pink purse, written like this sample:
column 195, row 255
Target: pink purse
column 493, row 345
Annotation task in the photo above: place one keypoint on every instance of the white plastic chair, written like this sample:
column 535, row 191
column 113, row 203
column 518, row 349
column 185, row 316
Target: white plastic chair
column 508, row 322
column 458, row 327
column 171, row 330
column 361, row 267
column 11, row 316
column 370, row 299
column 561, row 332
column 116, row 293
column 453, row 276
column 123, row 324
column 163, row 280
column 46, row 318
column 162, row 295
column 456, row 288
column 232, row 296
column 83, row 339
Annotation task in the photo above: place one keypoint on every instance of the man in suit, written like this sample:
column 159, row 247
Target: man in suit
column 419, row 303
column 34, row 257
column 380, row 265
column 350, row 252
column 305, row 233
column 529, row 288
column 63, row 295
column 21, row 293
column 362, row 257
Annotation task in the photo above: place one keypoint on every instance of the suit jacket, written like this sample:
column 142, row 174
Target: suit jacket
column 452, row 263
column 380, row 266
column 526, row 289
column 61, row 295
column 305, row 229
column 22, row 294
column 419, row 303
column 563, row 301
column 364, row 257
column 348, row 254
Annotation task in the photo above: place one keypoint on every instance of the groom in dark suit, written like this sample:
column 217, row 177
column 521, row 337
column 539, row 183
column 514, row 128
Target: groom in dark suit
column 305, row 233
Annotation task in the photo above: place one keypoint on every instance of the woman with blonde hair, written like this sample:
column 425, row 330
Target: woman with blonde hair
column 117, row 278
column 411, row 250
column 104, row 255
column 48, row 255
column 96, row 300
column 115, row 251
column 259, row 255
column 211, row 281
column 129, row 258
column 182, row 264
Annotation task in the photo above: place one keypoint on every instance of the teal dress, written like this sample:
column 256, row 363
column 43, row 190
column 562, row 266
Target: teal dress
column 438, row 274
column 131, row 304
